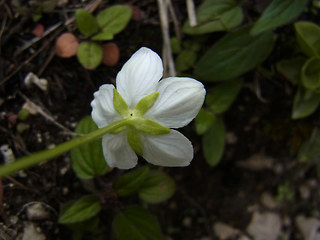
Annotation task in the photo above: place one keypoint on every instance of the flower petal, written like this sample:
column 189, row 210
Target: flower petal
column 139, row 76
column 103, row 112
column 170, row 150
column 179, row 102
column 117, row 151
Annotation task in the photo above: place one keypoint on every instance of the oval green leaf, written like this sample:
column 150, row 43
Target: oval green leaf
column 291, row 68
column 83, row 209
column 310, row 149
column 305, row 103
column 185, row 60
column 136, row 224
column 214, row 142
column 216, row 15
column 88, row 161
column 308, row 37
column 103, row 36
column 204, row 121
column 114, row 19
column 237, row 53
column 86, row 23
column 223, row 95
column 310, row 74
column 157, row 187
column 130, row 182
column 278, row 13
column 89, row 54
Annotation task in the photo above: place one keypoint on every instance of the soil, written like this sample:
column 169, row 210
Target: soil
column 260, row 155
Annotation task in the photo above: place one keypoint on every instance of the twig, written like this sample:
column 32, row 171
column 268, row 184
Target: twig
column 47, row 116
column 18, row 142
column 36, row 39
column 24, row 63
column 191, row 13
column 167, row 52
column 175, row 20
column 46, row 63
column 47, row 206
column 22, row 186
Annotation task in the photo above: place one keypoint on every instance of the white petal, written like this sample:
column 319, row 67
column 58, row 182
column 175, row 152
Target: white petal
column 103, row 112
column 117, row 151
column 179, row 102
column 139, row 76
column 170, row 150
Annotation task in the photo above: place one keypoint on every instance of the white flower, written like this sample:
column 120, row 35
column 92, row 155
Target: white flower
column 170, row 103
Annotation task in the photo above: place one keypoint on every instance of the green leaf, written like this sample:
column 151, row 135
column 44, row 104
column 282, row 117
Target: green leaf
column 145, row 104
column 103, row 36
column 213, row 142
column 88, row 161
column 278, row 13
column 175, row 45
column 89, row 54
column 310, row 74
column 120, row 104
column 157, row 187
column 185, row 60
column 134, row 223
column 223, row 95
column 305, row 103
column 114, row 19
column 83, row 209
column 308, row 37
column 291, row 68
column 86, row 22
column 79, row 229
column 215, row 15
column 130, row 182
column 204, row 121
column 310, row 150
column 237, row 53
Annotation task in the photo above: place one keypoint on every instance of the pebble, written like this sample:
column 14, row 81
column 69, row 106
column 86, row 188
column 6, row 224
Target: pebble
column 224, row 231
column 30, row 231
column 265, row 226
column 268, row 201
column 309, row 227
column 37, row 211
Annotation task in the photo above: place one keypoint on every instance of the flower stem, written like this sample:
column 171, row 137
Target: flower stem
column 45, row 155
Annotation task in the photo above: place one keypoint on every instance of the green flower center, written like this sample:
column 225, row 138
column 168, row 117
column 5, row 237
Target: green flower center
column 134, row 120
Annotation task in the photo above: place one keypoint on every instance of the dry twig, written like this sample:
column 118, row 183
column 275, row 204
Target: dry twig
column 169, row 68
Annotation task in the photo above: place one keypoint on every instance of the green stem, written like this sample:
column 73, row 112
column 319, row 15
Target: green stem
column 45, row 155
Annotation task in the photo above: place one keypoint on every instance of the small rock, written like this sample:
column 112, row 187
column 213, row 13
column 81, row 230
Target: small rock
column 65, row 190
column 309, row 227
column 264, row 226
column 304, row 191
column 32, row 78
column 224, row 231
column 7, row 153
column 187, row 222
column 268, row 201
column 257, row 162
column 37, row 211
column 231, row 138
column 30, row 232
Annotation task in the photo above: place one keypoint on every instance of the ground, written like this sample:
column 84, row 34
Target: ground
column 258, row 191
